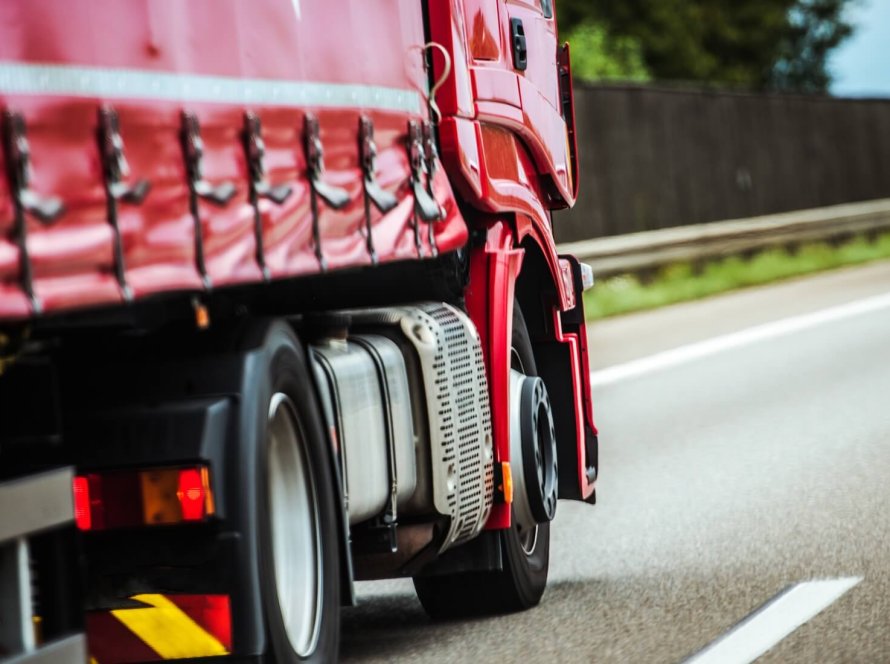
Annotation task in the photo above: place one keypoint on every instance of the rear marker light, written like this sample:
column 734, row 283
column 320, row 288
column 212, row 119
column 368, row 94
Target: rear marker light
column 82, row 514
column 157, row 496
column 193, row 493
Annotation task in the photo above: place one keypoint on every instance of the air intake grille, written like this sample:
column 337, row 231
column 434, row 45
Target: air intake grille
column 464, row 419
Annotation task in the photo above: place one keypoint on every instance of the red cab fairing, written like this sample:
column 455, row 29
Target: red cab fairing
column 510, row 154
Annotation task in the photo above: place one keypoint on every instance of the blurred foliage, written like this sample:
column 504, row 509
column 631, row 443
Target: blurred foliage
column 598, row 56
column 759, row 44
column 681, row 282
column 815, row 29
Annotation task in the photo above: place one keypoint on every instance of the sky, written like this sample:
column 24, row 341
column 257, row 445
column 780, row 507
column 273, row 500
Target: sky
column 861, row 65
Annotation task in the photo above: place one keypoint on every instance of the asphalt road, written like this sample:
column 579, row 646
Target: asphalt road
column 725, row 480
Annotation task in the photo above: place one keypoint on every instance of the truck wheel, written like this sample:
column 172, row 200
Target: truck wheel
column 525, row 553
column 297, row 521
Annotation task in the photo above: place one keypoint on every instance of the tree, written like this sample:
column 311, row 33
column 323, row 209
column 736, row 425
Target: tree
column 597, row 56
column 756, row 44
column 815, row 28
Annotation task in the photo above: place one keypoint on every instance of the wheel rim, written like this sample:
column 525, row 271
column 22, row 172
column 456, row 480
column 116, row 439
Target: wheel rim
column 528, row 539
column 294, row 523
column 526, row 528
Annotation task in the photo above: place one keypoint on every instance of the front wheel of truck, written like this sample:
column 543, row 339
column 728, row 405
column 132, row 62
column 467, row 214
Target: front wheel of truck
column 525, row 546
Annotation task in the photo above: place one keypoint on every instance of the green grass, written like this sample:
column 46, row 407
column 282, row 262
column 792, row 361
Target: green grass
column 681, row 281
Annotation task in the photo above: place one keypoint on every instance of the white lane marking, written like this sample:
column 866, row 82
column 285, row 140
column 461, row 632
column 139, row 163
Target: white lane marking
column 696, row 351
column 764, row 628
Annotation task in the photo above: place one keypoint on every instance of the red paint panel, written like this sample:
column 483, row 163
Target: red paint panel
column 13, row 303
column 489, row 297
column 211, row 612
column 342, row 241
column 503, row 186
column 483, row 29
column 9, row 256
column 526, row 102
column 9, row 253
column 541, row 234
column 450, row 232
column 334, row 42
column 540, row 37
column 490, row 84
column 447, row 27
column 72, row 257
column 460, row 152
column 229, row 244
column 393, row 232
column 546, row 135
column 565, row 69
column 109, row 642
column 158, row 234
column 521, row 194
column 287, row 227
column 330, row 42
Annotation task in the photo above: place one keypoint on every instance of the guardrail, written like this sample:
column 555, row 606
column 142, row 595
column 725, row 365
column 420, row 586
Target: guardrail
column 28, row 506
column 649, row 250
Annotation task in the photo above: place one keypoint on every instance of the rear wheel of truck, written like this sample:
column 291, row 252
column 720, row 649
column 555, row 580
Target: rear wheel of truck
column 296, row 510
column 525, row 548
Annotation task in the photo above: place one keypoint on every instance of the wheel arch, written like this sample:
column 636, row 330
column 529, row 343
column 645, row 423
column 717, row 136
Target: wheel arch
column 514, row 261
column 561, row 355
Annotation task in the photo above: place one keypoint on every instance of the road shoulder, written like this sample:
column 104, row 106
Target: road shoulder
column 624, row 338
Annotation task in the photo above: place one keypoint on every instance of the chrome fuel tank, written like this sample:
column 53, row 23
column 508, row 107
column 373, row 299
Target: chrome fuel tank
column 365, row 396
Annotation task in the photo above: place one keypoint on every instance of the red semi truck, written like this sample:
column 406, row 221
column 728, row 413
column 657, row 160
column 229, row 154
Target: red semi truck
column 280, row 309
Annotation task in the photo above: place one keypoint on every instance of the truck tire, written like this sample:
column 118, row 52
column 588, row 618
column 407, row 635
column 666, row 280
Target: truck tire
column 296, row 516
column 526, row 560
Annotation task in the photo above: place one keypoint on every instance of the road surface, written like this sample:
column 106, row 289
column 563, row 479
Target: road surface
column 731, row 472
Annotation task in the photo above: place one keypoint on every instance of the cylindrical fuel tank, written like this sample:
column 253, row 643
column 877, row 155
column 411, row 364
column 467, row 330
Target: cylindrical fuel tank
column 365, row 395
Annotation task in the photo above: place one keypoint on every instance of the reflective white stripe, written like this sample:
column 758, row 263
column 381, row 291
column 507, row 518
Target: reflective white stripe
column 110, row 83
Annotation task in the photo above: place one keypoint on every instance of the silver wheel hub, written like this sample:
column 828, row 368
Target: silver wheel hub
column 532, row 456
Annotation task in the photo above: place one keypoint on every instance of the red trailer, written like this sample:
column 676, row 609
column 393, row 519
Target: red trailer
column 278, row 280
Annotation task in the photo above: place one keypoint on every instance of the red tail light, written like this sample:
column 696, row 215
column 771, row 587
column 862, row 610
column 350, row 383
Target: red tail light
column 82, row 512
column 129, row 498
column 192, row 494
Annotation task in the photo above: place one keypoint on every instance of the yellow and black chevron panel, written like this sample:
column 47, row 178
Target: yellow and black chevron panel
column 161, row 627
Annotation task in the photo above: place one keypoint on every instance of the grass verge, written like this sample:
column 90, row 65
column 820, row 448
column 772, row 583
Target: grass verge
column 681, row 282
